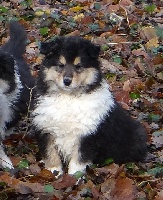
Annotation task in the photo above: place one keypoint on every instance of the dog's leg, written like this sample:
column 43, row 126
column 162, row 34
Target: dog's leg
column 49, row 153
column 76, row 165
column 4, row 160
column 53, row 161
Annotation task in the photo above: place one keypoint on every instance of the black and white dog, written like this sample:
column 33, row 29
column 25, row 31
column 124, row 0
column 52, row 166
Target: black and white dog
column 15, row 81
column 77, row 120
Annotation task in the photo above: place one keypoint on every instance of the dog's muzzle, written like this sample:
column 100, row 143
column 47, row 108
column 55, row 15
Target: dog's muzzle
column 67, row 81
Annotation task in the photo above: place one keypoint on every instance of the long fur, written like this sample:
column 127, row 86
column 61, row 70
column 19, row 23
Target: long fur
column 76, row 118
column 15, row 81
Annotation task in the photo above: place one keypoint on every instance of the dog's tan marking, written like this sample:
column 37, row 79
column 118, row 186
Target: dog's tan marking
column 62, row 60
column 52, row 161
column 51, row 74
column 88, row 76
column 77, row 61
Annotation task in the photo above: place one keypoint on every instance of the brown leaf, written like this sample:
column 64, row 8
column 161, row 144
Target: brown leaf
column 64, row 182
column 139, row 52
column 95, row 193
column 148, row 33
column 113, row 8
column 15, row 160
column 46, row 175
column 20, row 186
column 74, row 33
column 124, row 189
column 87, row 20
column 125, row 3
column 127, row 86
column 35, row 169
column 107, row 187
column 123, row 98
column 118, row 39
column 158, row 59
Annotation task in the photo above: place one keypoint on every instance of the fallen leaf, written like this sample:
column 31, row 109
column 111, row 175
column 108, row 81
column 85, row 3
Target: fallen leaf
column 19, row 186
column 108, row 66
column 124, row 189
column 158, row 59
column 152, row 43
column 148, row 33
column 160, row 154
column 64, row 182
column 79, row 17
column 76, row 9
column 139, row 52
column 15, row 160
column 127, row 86
column 157, row 139
column 87, row 20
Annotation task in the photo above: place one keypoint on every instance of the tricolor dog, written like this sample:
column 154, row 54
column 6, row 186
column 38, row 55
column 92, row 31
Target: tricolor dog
column 77, row 120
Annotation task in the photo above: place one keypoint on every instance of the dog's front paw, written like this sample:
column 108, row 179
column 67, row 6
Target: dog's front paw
column 56, row 170
column 74, row 167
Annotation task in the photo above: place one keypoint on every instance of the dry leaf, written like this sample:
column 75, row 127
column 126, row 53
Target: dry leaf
column 152, row 43
column 148, row 33
column 107, row 66
column 126, row 86
column 20, row 186
column 79, row 17
column 64, row 182
column 139, row 52
column 124, row 189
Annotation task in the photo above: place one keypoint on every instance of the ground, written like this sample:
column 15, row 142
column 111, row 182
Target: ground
column 130, row 34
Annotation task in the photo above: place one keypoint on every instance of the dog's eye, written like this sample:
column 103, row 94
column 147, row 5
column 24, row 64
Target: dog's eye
column 78, row 67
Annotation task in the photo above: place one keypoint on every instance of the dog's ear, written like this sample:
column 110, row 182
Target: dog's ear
column 47, row 47
column 93, row 50
column 52, row 46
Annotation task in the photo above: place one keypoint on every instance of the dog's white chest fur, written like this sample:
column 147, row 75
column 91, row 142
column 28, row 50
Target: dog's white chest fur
column 69, row 117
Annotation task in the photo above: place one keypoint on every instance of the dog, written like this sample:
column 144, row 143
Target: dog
column 15, row 84
column 76, row 118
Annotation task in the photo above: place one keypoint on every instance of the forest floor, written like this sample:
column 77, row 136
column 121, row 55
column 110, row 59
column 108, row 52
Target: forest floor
column 130, row 34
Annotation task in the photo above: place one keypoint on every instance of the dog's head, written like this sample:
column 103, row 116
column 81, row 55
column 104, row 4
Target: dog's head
column 71, row 64
column 7, row 73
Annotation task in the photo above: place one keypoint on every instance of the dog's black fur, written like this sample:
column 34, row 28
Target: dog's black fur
column 116, row 135
column 15, row 83
column 12, row 53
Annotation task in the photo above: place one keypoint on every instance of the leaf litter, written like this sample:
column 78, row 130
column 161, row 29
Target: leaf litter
column 130, row 35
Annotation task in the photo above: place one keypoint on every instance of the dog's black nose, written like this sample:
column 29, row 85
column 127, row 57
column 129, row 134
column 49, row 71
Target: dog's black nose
column 67, row 81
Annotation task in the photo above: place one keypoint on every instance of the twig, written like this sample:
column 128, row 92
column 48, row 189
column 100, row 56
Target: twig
column 28, row 108
column 125, row 13
column 143, row 182
column 114, row 43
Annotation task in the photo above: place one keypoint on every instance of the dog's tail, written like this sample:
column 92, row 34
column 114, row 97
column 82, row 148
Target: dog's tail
column 17, row 42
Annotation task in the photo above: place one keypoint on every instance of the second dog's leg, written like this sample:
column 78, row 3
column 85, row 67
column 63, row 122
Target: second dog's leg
column 4, row 160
